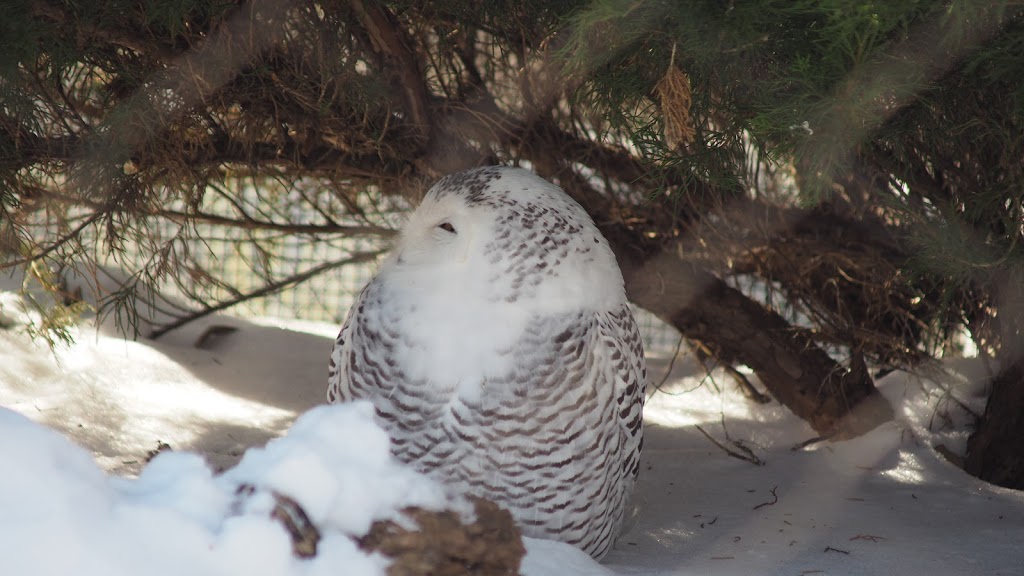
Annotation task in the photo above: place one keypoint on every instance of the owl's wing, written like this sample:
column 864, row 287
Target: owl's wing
column 624, row 351
column 338, row 376
column 335, row 371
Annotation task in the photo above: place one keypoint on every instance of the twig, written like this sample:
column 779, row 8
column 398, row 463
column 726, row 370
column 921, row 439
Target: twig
column 868, row 537
column 303, row 532
column 738, row 443
column 247, row 222
column 745, row 385
column 746, row 458
column 668, row 372
column 253, row 224
column 774, row 500
column 56, row 244
column 702, row 524
column 831, row 549
column 808, row 442
column 390, row 40
column 266, row 290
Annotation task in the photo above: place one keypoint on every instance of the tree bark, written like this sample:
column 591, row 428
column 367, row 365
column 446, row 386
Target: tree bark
column 836, row 401
column 994, row 452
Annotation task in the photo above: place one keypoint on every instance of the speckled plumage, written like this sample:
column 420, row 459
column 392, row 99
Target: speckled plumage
column 498, row 348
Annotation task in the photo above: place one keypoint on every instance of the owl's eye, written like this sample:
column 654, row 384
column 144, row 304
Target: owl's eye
column 447, row 227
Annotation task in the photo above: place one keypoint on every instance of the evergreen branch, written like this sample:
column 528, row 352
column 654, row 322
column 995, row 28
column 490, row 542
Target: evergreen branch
column 388, row 39
column 188, row 80
column 918, row 178
column 540, row 137
column 32, row 148
column 247, row 223
column 35, row 149
column 305, row 159
column 267, row 290
column 253, row 224
column 896, row 78
column 73, row 234
column 123, row 38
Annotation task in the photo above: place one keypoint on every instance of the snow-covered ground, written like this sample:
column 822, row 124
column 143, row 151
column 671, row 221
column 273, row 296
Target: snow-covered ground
column 70, row 503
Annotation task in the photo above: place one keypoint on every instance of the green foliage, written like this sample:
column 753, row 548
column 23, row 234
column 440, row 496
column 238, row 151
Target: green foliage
column 57, row 315
column 759, row 69
column 925, row 98
column 906, row 115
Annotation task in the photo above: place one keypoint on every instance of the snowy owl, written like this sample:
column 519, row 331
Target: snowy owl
column 501, row 356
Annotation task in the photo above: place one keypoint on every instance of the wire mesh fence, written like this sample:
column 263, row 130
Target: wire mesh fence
column 242, row 261
column 328, row 296
column 222, row 260
column 324, row 297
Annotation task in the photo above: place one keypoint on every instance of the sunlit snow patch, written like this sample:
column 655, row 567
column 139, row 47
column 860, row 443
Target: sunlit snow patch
column 62, row 515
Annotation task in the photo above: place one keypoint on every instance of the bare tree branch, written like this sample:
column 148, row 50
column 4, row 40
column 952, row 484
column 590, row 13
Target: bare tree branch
column 270, row 288
column 390, row 40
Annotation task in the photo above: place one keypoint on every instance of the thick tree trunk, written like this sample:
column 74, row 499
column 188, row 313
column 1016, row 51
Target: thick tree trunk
column 836, row 401
column 995, row 452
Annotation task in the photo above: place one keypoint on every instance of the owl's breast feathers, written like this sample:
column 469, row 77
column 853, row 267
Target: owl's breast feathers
column 502, row 357
column 548, row 425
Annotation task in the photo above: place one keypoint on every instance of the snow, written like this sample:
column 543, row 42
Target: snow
column 884, row 503
column 63, row 515
column 77, row 496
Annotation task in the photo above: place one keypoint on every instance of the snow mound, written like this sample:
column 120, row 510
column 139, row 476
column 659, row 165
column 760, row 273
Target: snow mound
column 63, row 515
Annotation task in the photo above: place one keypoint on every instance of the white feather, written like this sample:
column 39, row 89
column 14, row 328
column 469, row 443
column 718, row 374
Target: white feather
column 498, row 348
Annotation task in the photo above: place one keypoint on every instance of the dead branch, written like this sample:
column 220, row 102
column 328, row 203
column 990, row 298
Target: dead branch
column 751, row 458
column 388, row 38
column 772, row 502
column 270, row 288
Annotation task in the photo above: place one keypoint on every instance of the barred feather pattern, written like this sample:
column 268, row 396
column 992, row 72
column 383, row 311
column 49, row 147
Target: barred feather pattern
column 550, row 423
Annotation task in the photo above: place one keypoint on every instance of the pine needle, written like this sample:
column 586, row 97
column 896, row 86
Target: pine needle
column 676, row 97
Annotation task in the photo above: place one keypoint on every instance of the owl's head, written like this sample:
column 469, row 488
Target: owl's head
column 506, row 235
